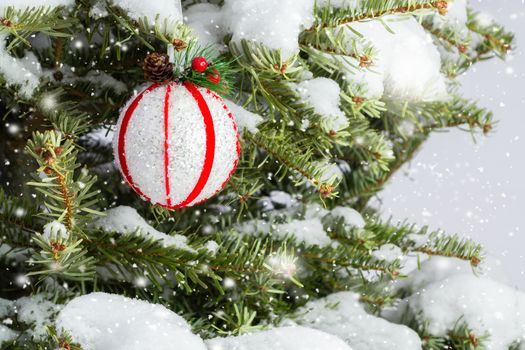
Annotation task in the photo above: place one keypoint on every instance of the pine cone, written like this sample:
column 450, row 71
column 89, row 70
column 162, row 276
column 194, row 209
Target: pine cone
column 157, row 68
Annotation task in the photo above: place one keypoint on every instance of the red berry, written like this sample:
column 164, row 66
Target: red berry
column 199, row 64
column 214, row 77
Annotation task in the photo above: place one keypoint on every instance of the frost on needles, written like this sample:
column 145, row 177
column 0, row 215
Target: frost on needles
column 331, row 99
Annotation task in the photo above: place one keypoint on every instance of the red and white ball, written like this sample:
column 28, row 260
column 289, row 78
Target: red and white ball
column 176, row 144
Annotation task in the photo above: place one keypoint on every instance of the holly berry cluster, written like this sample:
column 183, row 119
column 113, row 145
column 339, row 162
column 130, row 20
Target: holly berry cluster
column 200, row 65
column 159, row 69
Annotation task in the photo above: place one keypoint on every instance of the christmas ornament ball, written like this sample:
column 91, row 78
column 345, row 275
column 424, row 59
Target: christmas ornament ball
column 176, row 144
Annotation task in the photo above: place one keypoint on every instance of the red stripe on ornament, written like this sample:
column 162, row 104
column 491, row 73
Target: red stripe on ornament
column 210, row 144
column 167, row 144
column 237, row 143
column 122, row 141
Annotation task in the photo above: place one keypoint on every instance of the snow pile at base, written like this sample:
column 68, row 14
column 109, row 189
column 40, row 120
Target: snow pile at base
column 101, row 321
column 35, row 311
column 406, row 57
column 24, row 72
column 54, row 230
column 445, row 294
column 485, row 306
column 324, row 96
column 126, row 220
column 341, row 314
column 166, row 10
column 244, row 119
column 285, row 338
column 7, row 334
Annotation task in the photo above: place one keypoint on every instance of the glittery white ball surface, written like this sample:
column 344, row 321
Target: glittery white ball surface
column 176, row 144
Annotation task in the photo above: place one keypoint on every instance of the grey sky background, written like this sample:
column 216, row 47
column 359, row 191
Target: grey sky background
column 477, row 188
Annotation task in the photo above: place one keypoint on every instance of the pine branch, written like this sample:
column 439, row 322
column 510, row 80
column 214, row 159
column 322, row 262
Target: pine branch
column 403, row 235
column 461, row 337
column 245, row 183
column 61, row 257
column 326, row 17
column 341, row 41
column 17, row 220
column 296, row 158
column 154, row 261
column 264, row 63
column 67, row 196
column 452, row 246
column 455, row 113
column 144, row 31
column 497, row 39
column 447, row 36
column 22, row 23
column 51, row 341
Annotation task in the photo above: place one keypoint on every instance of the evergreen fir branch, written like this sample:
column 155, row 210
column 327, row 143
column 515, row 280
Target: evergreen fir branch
column 451, row 246
column 17, row 220
column 492, row 40
column 461, row 337
column 189, row 270
column 327, row 17
column 66, row 197
column 245, row 183
column 496, row 38
column 426, row 117
column 51, row 341
column 250, row 279
column 341, row 68
column 22, row 23
column 369, row 149
column 144, row 31
column 264, row 63
column 64, row 341
column 376, row 299
column 459, row 111
column 348, row 257
column 447, row 37
column 241, row 322
column 404, row 235
column 297, row 158
column 62, row 257
column 134, row 255
column 340, row 41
